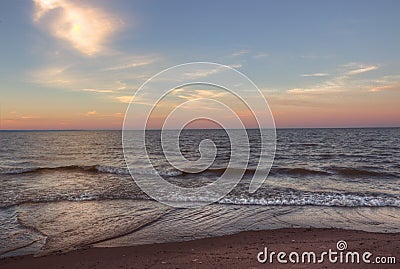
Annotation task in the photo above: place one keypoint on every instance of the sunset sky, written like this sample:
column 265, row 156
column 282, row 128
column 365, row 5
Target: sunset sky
column 76, row 64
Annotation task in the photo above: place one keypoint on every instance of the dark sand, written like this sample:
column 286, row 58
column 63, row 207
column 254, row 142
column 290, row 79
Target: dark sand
column 232, row 251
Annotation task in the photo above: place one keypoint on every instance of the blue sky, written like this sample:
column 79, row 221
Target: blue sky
column 318, row 63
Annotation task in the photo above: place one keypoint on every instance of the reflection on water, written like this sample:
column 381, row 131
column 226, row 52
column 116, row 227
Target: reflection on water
column 71, row 225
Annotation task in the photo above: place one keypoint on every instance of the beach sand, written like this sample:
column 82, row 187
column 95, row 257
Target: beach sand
column 231, row 251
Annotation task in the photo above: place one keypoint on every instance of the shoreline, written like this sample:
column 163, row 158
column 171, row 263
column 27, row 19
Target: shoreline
column 229, row 251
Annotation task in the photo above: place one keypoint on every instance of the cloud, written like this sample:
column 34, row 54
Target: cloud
column 26, row 117
column 261, row 55
column 130, row 65
column 91, row 113
column 137, row 100
column 315, row 75
column 305, row 90
column 85, row 78
column 52, row 76
column 97, row 90
column 204, row 73
column 235, row 66
column 189, row 94
column 340, row 82
column 386, row 83
column 85, row 28
column 359, row 68
column 122, row 85
column 334, row 84
column 14, row 115
column 384, row 88
column 124, row 99
column 362, row 70
column 240, row 53
column 208, row 72
column 316, row 90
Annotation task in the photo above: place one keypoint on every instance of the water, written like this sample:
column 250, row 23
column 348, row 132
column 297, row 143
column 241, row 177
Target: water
column 70, row 189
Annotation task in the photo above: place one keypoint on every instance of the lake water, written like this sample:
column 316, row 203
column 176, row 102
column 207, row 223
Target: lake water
column 62, row 190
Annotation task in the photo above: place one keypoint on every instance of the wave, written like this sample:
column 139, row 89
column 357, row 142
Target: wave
column 88, row 168
column 341, row 171
column 318, row 199
column 354, row 172
column 289, row 171
column 299, row 171
column 171, row 172
column 70, row 198
column 303, row 199
column 287, row 199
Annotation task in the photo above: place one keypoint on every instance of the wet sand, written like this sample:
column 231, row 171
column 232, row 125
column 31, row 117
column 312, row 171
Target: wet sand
column 231, row 251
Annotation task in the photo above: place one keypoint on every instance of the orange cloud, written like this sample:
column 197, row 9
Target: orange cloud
column 384, row 88
column 84, row 27
column 91, row 113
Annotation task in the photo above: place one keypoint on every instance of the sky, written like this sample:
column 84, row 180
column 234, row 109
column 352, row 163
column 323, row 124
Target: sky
column 68, row 64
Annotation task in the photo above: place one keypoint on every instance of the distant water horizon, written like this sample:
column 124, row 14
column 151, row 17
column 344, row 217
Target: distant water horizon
column 63, row 190
column 120, row 129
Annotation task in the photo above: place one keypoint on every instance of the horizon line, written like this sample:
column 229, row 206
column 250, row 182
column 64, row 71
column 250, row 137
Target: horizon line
column 76, row 130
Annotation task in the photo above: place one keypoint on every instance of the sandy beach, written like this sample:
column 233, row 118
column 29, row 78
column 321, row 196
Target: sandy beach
column 231, row 251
